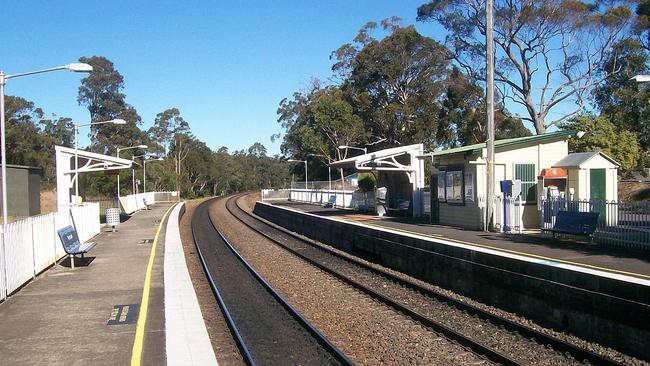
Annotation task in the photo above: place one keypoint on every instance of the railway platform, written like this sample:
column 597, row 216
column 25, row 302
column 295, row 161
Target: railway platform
column 566, row 286
column 129, row 302
column 607, row 259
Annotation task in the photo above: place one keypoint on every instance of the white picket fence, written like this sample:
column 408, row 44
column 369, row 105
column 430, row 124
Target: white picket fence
column 508, row 217
column 31, row 245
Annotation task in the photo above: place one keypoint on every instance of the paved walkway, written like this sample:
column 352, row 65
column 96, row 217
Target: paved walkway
column 591, row 257
column 87, row 316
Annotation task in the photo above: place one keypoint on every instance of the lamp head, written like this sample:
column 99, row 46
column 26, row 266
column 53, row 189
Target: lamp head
column 580, row 134
column 118, row 122
column 641, row 78
column 142, row 146
column 79, row 67
column 343, row 147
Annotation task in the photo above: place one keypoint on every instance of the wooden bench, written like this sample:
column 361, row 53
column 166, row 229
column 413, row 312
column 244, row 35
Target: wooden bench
column 402, row 207
column 71, row 243
column 575, row 223
column 331, row 202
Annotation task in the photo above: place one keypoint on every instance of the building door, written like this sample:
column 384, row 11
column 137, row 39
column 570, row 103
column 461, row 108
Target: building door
column 435, row 202
column 597, row 192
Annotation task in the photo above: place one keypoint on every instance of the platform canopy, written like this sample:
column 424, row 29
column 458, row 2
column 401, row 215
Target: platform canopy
column 397, row 159
column 88, row 162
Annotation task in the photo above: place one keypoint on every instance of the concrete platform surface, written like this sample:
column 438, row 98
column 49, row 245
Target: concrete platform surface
column 187, row 340
column 63, row 316
column 595, row 257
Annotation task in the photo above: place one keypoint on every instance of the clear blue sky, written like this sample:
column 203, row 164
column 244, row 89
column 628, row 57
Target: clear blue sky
column 224, row 64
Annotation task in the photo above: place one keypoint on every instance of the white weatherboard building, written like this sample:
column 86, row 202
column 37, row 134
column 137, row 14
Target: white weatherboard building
column 458, row 177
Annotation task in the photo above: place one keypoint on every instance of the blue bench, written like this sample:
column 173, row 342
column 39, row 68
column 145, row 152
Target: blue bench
column 71, row 243
column 575, row 223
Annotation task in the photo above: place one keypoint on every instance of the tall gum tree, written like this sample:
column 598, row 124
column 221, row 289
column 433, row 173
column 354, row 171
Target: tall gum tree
column 548, row 52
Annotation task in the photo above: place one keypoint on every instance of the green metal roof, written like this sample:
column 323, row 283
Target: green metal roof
column 499, row 144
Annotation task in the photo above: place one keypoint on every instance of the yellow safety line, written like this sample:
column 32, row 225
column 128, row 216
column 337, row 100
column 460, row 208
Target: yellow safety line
column 439, row 236
column 136, row 352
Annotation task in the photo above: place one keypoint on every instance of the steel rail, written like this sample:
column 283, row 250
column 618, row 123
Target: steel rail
column 248, row 358
column 579, row 353
column 438, row 327
column 337, row 354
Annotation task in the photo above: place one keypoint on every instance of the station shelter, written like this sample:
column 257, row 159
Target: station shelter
column 541, row 165
column 88, row 162
column 399, row 175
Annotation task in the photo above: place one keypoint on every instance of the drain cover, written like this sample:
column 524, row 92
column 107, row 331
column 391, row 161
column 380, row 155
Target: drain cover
column 145, row 241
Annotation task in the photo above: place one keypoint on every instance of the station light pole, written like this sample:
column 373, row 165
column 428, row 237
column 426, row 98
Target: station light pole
column 301, row 161
column 329, row 169
column 76, row 151
column 489, row 41
column 74, row 67
column 118, row 155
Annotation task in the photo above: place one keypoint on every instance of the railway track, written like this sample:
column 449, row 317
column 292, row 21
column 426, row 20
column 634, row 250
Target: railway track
column 265, row 327
column 496, row 338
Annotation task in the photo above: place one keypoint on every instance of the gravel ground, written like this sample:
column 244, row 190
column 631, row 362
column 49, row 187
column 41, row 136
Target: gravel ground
column 483, row 330
column 369, row 332
column 272, row 335
column 223, row 345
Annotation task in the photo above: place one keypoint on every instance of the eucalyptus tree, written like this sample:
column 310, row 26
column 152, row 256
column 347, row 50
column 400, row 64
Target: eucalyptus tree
column 101, row 93
column 549, row 52
column 395, row 84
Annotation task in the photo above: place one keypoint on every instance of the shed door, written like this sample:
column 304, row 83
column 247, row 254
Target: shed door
column 597, row 192
column 597, row 184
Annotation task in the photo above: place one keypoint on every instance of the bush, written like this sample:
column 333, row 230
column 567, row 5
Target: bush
column 367, row 182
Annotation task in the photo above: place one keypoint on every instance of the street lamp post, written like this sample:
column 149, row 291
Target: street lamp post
column 75, row 67
column 329, row 168
column 301, row 161
column 118, row 155
column 76, row 151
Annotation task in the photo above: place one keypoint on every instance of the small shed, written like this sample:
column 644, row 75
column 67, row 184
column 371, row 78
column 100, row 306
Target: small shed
column 23, row 191
column 590, row 176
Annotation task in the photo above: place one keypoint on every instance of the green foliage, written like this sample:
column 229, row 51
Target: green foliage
column 603, row 136
column 623, row 101
column 367, row 182
column 101, row 93
column 318, row 122
column 394, row 83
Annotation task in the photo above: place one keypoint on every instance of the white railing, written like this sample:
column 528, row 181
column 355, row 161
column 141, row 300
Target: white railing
column 164, row 196
column 342, row 199
column 31, row 245
column 275, row 194
column 619, row 223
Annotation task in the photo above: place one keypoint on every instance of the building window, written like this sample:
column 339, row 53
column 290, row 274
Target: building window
column 469, row 186
column 441, row 186
column 526, row 173
column 451, row 185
